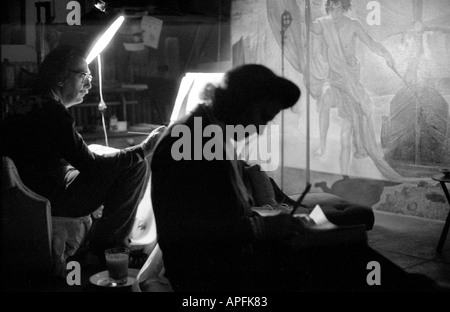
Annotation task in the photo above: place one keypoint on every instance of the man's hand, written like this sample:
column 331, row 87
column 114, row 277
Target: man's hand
column 150, row 142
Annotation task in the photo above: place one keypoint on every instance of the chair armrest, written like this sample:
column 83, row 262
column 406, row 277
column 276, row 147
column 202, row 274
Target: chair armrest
column 26, row 224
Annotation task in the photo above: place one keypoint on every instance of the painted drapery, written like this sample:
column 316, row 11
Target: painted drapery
column 397, row 31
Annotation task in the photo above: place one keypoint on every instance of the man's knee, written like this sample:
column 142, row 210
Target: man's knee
column 330, row 98
column 139, row 170
column 142, row 168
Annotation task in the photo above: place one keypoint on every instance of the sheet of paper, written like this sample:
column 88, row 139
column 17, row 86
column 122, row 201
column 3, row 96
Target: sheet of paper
column 152, row 30
column 318, row 216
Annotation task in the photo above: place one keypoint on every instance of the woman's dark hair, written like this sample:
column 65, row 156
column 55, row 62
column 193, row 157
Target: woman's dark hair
column 346, row 4
column 245, row 87
column 55, row 66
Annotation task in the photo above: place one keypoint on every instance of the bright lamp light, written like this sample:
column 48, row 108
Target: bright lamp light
column 105, row 39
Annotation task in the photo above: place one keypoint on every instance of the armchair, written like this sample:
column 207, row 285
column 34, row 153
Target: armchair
column 34, row 242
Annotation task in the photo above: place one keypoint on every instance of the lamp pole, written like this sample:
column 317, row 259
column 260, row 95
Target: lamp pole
column 95, row 52
column 101, row 105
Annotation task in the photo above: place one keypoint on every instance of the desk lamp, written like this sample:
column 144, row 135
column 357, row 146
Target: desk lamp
column 95, row 52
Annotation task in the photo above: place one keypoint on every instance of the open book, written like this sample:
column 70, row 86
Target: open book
column 321, row 232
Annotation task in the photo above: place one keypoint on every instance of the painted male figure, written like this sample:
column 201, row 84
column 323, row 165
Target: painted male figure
column 342, row 88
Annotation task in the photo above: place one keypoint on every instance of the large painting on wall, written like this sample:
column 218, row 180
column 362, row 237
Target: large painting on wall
column 378, row 83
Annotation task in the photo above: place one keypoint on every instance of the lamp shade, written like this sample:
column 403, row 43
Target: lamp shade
column 104, row 39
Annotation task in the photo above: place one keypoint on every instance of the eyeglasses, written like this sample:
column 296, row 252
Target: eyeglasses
column 85, row 75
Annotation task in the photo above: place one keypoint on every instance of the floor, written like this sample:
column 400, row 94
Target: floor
column 410, row 242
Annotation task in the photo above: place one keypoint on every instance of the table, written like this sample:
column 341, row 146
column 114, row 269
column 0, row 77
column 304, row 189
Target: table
column 117, row 140
column 124, row 92
column 442, row 179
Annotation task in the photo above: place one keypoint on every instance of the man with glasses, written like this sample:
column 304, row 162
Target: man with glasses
column 54, row 161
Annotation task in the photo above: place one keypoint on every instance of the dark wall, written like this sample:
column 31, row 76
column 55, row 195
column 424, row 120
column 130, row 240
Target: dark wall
column 204, row 7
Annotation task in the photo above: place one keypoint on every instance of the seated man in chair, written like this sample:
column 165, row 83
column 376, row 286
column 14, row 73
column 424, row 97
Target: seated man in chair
column 54, row 161
column 210, row 238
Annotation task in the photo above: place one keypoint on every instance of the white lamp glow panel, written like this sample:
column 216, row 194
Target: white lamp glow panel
column 191, row 87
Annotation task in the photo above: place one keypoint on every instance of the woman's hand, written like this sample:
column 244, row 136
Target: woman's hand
column 282, row 226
